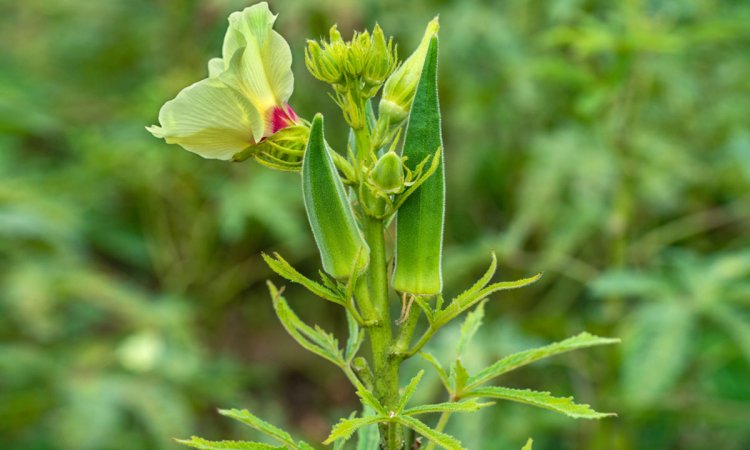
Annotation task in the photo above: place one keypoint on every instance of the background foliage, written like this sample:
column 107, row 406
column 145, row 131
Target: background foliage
column 604, row 143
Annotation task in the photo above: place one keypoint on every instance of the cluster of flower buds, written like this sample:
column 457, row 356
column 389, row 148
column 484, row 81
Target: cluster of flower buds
column 356, row 69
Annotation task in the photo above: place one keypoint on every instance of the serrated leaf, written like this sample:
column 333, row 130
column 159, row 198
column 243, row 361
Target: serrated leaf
column 409, row 391
column 315, row 340
column 355, row 339
column 252, row 421
column 285, row 270
column 203, row 444
column 462, row 406
column 439, row 438
column 564, row 405
column 439, row 369
column 480, row 283
column 459, row 305
column 459, row 376
column 470, row 326
column 346, row 427
column 523, row 358
column 368, row 399
column 655, row 351
column 528, row 445
column 368, row 437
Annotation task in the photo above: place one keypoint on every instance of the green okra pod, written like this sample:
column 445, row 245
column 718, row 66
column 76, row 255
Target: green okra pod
column 342, row 247
column 419, row 223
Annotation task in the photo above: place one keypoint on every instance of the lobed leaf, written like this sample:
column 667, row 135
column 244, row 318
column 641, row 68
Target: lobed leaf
column 252, row 421
column 470, row 326
column 346, row 427
column 439, row 369
column 368, row 399
column 439, row 438
column 523, row 358
column 314, row 340
column 564, row 405
column 409, row 391
column 203, row 444
column 464, row 302
column 285, row 270
column 368, row 437
column 451, row 407
column 480, row 283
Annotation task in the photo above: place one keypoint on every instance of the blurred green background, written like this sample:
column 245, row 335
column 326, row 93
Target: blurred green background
column 606, row 143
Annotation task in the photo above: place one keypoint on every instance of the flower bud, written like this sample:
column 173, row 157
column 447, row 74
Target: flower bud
column 399, row 89
column 322, row 64
column 381, row 61
column 388, row 174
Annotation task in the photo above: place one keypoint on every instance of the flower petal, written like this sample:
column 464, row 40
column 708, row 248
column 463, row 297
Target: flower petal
column 263, row 71
column 215, row 67
column 209, row 118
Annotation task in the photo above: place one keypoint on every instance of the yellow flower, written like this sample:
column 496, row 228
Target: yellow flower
column 244, row 99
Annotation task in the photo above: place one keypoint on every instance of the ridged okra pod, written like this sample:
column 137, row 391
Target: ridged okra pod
column 419, row 226
column 342, row 247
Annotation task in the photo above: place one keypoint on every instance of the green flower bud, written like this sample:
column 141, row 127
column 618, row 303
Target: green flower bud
column 322, row 64
column 399, row 89
column 342, row 247
column 382, row 60
column 388, row 174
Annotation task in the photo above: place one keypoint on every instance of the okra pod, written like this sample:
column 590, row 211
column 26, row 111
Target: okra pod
column 419, row 223
column 342, row 247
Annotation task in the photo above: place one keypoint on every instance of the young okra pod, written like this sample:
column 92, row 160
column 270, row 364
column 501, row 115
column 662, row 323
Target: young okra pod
column 342, row 247
column 419, row 223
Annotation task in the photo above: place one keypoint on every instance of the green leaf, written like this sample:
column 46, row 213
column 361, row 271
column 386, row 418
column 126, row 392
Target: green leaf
column 314, row 340
column 480, row 283
column 355, row 339
column 564, row 405
column 470, row 326
column 451, row 407
column 203, row 444
column 368, row 437
column 409, row 391
column 528, row 445
column 284, row 269
column 523, row 358
column 252, row 421
column 439, row 438
column 420, row 220
column 368, row 399
column 655, row 350
column 459, row 376
column 464, row 302
column 439, row 369
column 346, row 427
column 342, row 247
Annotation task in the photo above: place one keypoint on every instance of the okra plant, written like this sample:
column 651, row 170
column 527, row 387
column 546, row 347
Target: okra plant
column 391, row 174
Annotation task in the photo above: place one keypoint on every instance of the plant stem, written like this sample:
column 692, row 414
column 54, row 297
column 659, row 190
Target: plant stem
column 372, row 293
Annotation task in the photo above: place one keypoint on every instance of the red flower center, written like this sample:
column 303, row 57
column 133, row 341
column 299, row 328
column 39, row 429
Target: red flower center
column 282, row 117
